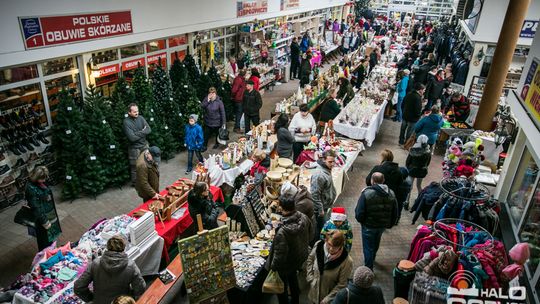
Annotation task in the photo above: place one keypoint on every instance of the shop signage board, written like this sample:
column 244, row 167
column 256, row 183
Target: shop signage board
column 251, row 7
column 108, row 70
column 207, row 263
column 528, row 29
column 132, row 64
column 44, row 31
column 530, row 94
column 289, row 4
column 156, row 58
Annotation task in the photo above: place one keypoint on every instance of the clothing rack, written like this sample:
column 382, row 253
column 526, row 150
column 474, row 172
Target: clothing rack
column 467, row 187
column 452, row 224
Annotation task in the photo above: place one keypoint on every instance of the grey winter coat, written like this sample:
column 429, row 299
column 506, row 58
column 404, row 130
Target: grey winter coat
column 322, row 188
column 214, row 112
column 135, row 131
column 290, row 247
column 284, row 143
column 113, row 274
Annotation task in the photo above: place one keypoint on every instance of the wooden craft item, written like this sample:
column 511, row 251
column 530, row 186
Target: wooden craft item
column 400, row 301
column 200, row 224
column 274, row 176
column 280, row 170
column 405, row 265
column 139, row 213
column 285, row 162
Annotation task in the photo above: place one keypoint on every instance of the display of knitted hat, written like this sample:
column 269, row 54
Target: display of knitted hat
column 520, row 253
column 472, row 264
column 443, row 265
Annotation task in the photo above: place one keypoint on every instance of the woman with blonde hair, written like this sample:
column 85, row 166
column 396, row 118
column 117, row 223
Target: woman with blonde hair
column 329, row 267
column 261, row 162
column 41, row 202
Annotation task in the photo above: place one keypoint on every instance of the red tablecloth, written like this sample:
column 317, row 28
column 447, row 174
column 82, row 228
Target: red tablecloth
column 169, row 230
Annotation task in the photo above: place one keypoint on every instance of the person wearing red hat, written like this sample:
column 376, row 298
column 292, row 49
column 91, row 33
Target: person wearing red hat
column 338, row 221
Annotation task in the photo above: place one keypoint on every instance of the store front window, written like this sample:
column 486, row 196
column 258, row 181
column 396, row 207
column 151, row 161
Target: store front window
column 530, row 232
column 57, row 85
column 522, row 186
column 59, row 66
column 230, row 45
column 104, row 56
column 132, row 50
column 177, row 41
column 155, row 46
column 17, row 74
column 20, row 98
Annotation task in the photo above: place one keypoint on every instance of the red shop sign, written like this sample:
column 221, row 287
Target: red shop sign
column 156, row 58
column 54, row 30
column 108, row 70
column 132, row 64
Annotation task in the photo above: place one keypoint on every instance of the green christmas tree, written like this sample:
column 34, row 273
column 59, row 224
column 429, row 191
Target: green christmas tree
column 203, row 85
column 215, row 79
column 72, row 185
column 142, row 91
column 120, row 99
column 68, row 141
column 179, row 82
column 193, row 70
column 168, row 111
column 100, row 136
column 93, row 175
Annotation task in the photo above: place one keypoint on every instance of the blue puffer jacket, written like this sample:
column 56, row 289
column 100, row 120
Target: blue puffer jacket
column 194, row 137
column 402, row 86
column 429, row 126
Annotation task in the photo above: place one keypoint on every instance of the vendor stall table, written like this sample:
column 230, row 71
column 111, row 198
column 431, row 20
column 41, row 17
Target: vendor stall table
column 170, row 230
column 164, row 293
column 359, row 132
column 219, row 176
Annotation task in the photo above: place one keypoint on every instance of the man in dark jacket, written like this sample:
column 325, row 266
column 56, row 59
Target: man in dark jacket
column 412, row 111
column 136, row 129
column 112, row 275
column 435, row 89
column 392, row 174
column 421, row 74
column 330, row 108
column 147, row 184
column 302, row 200
column 237, row 92
column 252, row 103
column 377, row 210
column 361, row 289
column 290, row 249
column 214, row 116
column 295, row 58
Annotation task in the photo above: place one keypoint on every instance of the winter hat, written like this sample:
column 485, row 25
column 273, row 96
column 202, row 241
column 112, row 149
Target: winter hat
column 363, row 277
column 156, row 153
column 194, row 117
column 250, row 82
column 288, row 189
column 422, row 139
column 338, row 214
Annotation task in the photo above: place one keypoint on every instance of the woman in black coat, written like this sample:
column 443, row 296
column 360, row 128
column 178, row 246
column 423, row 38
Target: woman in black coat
column 418, row 162
column 200, row 202
column 285, row 140
column 392, row 174
column 305, row 70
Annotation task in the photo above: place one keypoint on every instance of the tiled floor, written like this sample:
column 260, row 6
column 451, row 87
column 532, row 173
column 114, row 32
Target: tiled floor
column 18, row 249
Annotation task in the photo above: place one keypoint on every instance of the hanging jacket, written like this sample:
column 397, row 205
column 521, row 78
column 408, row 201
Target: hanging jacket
column 430, row 126
column 194, row 139
column 418, row 161
column 425, row 200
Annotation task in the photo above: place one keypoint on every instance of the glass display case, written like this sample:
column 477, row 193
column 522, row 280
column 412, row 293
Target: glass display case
column 522, row 187
column 530, row 231
column 132, row 50
column 55, row 86
column 16, row 74
column 59, row 66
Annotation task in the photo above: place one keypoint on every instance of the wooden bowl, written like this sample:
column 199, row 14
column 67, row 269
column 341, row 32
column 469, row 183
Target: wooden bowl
column 285, row 162
column 271, row 193
column 280, row 170
column 274, row 175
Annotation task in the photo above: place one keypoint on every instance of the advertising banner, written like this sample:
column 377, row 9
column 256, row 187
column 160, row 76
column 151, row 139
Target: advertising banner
column 251, row 7
column 54, row 30
column 289, row 4
column 108, row 70
column 528, row 29
column 132, row 64
column 531, row 91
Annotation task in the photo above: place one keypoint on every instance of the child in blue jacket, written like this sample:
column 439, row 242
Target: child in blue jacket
column 338, row 221
column 194, row 141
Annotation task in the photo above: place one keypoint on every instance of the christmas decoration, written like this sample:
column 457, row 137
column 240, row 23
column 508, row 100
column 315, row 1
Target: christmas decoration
column 121, row 98
column 100, row 136
column 142, row 92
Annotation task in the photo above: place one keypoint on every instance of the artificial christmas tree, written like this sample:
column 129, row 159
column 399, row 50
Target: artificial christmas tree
column 168, row 111
column 142, row 92
column 203, row 85
column 120, row 99
column 93, row 175
column 179, row 82
column 72, row 185
column 68, row 141
column 99, row 135
column 193, row 70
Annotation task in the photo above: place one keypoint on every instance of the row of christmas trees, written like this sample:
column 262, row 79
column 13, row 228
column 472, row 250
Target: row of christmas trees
column 91, row 145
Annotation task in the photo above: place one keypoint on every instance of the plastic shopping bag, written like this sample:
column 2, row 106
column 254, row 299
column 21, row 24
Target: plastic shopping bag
column 273, row 283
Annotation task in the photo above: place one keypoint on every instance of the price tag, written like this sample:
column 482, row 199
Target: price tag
column 127, row 87
column 125, row 115
column 180, row 114
column 112, row 147
column 104, row 121
column 152, row 110
column 186, row 86
column 166, row 128
column 69, row 108
column 68, row 177
column 68, row 132
column 171, row 99
column 92, row 157
column 151, row 118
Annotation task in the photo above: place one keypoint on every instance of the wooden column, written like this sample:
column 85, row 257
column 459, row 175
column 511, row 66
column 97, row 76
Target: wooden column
column 511, row 28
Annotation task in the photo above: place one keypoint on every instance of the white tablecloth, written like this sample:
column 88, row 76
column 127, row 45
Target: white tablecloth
column 219, row 176
column 362, row 133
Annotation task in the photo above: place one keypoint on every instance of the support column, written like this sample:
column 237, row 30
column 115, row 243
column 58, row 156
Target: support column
column 513, row 21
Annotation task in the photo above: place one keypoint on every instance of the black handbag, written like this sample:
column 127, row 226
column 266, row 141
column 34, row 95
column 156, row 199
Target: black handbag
column 25, row 217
